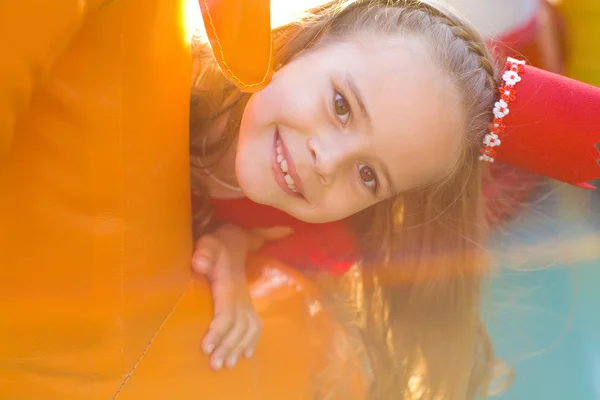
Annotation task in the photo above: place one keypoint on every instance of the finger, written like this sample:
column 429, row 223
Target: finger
column 224, row 306
column 223, row 353
column 206, row 254
column 217, row 331
column 250, row 339
column 258, row 237
column 275, row 233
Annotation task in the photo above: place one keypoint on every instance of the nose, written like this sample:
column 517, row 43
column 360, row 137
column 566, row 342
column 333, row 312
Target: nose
column 330, row 156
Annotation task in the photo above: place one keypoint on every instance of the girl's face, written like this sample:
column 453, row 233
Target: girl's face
column 346, row 125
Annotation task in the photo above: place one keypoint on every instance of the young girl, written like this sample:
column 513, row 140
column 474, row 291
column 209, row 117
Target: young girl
column 364, row 148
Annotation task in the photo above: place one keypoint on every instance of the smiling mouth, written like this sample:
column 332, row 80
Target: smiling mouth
column 284, row 169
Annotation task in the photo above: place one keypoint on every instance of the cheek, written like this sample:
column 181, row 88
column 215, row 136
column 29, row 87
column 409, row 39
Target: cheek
column 256, row 114
column 293, row 100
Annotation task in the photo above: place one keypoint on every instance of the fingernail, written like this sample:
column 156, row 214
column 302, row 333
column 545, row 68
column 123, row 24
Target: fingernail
column 231, row 362
column 209, row 349
column 249, row 353
column 218, row 363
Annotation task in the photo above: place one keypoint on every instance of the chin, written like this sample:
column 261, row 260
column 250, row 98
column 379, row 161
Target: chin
column 257, row 197
column 252, row 183
column 305, row 215
column 251, row 188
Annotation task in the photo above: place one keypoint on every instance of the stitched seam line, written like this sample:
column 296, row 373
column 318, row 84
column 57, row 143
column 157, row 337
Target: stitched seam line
column 139, row 360
column 210, row 20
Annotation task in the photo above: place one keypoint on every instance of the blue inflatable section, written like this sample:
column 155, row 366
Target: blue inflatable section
column 543, row 308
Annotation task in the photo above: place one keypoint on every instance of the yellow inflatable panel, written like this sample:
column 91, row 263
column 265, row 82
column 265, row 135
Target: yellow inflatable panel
column 97, row 301
column 583, row 34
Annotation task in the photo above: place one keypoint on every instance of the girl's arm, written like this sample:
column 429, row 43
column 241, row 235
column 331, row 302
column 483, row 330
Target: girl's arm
column 221, row 257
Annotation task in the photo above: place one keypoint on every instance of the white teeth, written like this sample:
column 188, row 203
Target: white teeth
column 284, row 168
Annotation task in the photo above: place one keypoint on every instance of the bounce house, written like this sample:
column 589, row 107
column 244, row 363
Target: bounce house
column 97, row 298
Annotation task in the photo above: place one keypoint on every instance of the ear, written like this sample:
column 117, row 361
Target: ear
column 240, row 36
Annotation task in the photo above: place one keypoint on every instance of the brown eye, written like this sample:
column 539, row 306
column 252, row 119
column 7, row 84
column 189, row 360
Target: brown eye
column 367, row 174
column 368, row 177
column 341, row 108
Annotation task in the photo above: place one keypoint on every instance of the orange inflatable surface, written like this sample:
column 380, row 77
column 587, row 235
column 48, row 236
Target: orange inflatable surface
column 240, row 35
column 97, row 301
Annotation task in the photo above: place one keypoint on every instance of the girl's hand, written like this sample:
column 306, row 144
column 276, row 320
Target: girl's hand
column 236, row 326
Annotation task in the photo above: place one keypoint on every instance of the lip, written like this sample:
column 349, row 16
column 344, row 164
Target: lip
column 278, row 173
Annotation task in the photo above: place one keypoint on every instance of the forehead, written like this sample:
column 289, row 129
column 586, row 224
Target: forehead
column 416, row 118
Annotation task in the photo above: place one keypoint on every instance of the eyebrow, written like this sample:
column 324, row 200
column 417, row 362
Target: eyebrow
column 363, row 109
column 388, row 179
column 358, row 97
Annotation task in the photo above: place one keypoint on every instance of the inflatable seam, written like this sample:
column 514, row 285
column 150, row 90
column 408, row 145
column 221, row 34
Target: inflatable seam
column 210, row 20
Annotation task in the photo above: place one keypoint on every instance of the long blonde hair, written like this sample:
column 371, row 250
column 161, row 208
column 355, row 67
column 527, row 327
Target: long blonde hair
column 422, row 258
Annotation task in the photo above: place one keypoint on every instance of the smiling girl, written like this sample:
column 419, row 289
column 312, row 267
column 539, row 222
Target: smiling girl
column 364, row 149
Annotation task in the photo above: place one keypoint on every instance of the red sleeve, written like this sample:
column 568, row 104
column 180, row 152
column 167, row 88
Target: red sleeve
column 330, row 247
